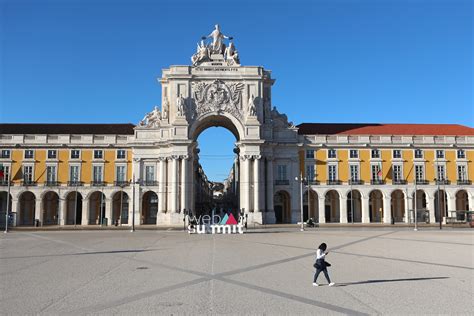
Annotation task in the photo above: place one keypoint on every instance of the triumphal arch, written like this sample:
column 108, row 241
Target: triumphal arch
column 216, row 90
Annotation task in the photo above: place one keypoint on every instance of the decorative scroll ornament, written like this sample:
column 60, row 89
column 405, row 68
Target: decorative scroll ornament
column 218, row 97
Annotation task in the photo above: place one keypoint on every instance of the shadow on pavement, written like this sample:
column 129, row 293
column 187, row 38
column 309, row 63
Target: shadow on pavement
column 87, row 253
column 389, row 280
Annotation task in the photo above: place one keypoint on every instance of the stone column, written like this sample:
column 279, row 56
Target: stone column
column 431, row 206
column 322, row 209
column 62, row 211
column 38, row 210
column 85, row 211
column 184, row 182
column 162, row 186
column 15, row 208
column 244, row 183
column 270, row 184
column 174, row 185
column 408, row 204
column 138, row 204
column 451, row 202
column 365, row 209
column 256, row 183
column 387, row 210
column 108, row 211
column 343, row 209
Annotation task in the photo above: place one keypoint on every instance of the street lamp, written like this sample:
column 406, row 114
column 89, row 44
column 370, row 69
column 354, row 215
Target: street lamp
column 301, row 179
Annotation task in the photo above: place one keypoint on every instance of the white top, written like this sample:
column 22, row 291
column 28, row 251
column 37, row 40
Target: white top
column 320, row 254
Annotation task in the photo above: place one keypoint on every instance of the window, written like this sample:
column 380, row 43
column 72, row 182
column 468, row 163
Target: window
column 5, row 174
column 310, row 172
column 310, row 153
column 97, row 174
column 376, row 172
column 120, row 173
column 353, row 153
column 375, row 153
column 419, row 173
column 50, row 174
column 440, row 173
column 28, row 174
column 461, row 154
column 440, row 154
column 98, row 154
column 282, row 175
column 354, row 170
column 332, row 153
column 397, row 173
column 462, row 175
column 29, row 154
column 397, row 153
column 52, row 154
column 149, row 173
column 5, row 153
column 75, row 154
column 332, row 171
column 120, row 154
column 74, row 174
column 418, row 153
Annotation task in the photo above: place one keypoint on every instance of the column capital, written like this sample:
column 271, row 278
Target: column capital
column 184, row 157
column 161, row 158
column 245, row 157
column 256, row 157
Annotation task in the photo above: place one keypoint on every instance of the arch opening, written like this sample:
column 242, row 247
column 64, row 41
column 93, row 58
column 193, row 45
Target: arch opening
column 354, row 207
column 120, row 207
column 73, row 208
column 332, row 208
column 282, row 207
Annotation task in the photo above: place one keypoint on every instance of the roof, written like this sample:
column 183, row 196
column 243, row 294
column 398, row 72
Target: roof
column 118, row 129
column 384, row 129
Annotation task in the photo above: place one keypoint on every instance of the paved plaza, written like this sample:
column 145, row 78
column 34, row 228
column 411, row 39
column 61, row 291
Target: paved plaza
column 377, row 271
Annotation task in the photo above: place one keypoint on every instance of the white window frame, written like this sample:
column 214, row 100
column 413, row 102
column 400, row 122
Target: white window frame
column 466, row 174
column 393, row 154
column 330, row 150
column 97, row 150
column 102, row 173
column 375, row 176
column 29, row 158
column 442, row 152
column 401, row 172
column 375, row 150
column 282, row 167
column 356, row 151
column 422, row 153
column 78, row 172
column 336, row 173
column 55, row 166
column 51, row 151
column 437, row 166
column 309, row 153
column 6, row 151
column 422, row 173
column 310, row 176
column 70, row 154
column 6, row 172
column 29, row 165
column 457, row 154
column 145, row 176
column 124, row 172
column 357, row 174
column 117, row 154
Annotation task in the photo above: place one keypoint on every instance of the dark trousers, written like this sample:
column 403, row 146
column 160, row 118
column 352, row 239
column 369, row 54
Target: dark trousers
column 318, row 271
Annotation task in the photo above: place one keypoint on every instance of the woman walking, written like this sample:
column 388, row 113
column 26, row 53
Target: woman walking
column 321, row 265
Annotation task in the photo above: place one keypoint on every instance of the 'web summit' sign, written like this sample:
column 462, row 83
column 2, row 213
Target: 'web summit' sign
column 215, row 224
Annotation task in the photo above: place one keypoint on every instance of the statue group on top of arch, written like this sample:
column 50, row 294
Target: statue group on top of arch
column 155, row 117
column 216, row 47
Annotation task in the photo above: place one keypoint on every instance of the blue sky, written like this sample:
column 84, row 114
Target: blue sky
column 405, row 61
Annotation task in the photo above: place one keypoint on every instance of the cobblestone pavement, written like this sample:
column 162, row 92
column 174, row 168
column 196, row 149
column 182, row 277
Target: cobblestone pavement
column 377, row 271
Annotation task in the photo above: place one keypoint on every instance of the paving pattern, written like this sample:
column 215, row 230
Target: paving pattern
column 377, row 271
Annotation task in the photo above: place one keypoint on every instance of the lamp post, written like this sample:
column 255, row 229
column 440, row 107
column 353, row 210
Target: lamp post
column 416, row 205
column 8, row 202
column 75, row 202
column 133, row 204
column 301, row 179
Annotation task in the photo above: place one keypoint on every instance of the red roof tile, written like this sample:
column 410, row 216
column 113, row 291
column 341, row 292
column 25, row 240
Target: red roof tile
column 384, row 129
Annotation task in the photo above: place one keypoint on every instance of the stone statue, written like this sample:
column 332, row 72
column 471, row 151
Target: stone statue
column 217, row 37
column 180, row 104
column 152, row 118
column 252, row 109
column 231, row 55
column 165, row 108
column 202, row 54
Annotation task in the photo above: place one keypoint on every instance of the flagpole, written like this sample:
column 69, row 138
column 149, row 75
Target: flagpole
column 8, row 202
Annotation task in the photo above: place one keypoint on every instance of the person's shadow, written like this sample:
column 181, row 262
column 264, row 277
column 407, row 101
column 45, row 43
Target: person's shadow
column 389, row 280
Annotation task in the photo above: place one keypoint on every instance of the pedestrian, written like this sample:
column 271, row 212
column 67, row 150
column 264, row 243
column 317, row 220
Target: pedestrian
column 321, row 264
